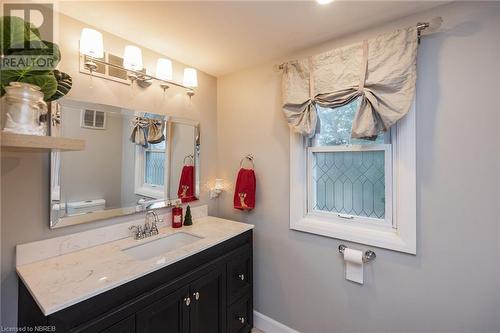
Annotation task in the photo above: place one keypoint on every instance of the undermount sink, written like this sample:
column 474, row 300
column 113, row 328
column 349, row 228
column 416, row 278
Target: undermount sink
column 161, row 246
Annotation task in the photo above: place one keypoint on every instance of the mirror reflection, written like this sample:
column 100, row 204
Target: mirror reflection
column 133, row 161
column 185, row 145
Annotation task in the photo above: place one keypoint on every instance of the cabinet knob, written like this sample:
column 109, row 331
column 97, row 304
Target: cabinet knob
column 196, row 295
column 241, row 277
column 187, row 300
column 241, row 319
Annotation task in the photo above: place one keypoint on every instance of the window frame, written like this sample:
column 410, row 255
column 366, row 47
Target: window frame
column 402, row 236
column 140, row 186
column 337, row 217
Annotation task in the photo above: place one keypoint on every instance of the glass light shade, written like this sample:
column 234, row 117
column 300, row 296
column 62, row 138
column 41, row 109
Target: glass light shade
column 190, row 78
column 324, row 2
column 219, row 184
column 164, row 69
column 91, row 43
column 132, row 58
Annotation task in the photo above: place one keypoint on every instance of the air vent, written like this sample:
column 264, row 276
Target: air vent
column 93, row 119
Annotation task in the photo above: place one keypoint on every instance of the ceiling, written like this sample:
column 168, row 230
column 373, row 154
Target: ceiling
column 224, row 37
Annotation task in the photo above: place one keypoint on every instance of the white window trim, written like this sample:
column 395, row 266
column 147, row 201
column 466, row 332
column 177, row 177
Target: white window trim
column 402, row 236
column 140, row 187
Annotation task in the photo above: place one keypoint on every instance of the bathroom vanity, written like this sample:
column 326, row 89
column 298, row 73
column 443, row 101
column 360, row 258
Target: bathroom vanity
column 202, row 284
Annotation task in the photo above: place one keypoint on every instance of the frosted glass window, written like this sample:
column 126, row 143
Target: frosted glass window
column 349, row 182
column 155, row 168
column 347, row 177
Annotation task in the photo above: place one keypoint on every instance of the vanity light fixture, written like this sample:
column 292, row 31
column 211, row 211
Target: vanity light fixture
column 190, row 79
column 132, row 60
column 91, row 45
column 164, row 72
column 324, row 2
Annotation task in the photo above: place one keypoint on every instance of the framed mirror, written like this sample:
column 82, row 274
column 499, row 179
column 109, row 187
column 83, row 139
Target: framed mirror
column 133, row 161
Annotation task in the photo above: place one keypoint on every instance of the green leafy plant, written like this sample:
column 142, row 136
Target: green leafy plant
column 21, row 38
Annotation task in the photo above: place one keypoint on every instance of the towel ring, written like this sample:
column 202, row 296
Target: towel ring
column 191, row 157
column 249, row 157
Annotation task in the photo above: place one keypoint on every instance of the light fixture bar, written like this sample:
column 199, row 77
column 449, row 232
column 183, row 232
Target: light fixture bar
column 140, row 75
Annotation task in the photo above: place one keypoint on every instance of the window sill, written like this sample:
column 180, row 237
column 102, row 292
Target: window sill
column 387, row 238
column 150, row 193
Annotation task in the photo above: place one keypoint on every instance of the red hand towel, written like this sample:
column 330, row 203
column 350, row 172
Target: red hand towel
column 186, row 184
column 244, row 193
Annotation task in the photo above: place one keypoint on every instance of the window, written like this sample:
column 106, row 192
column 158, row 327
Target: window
column 357, row 190
column 154, row 164
column 150, row 169
column 349, row 178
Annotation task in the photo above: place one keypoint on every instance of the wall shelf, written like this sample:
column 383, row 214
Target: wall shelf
column 35, row 143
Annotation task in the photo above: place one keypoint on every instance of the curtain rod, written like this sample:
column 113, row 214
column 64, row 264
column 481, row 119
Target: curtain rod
column 435, row 23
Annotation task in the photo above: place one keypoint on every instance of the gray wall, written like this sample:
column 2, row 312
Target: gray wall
column 94, row 173
column 451, row 285
column 25, row 176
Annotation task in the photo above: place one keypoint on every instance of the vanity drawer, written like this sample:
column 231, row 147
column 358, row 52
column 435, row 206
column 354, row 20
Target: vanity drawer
column 240, row 316
column 239, row 274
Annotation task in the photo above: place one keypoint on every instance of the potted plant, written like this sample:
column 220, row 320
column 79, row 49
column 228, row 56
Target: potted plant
column 28, row 76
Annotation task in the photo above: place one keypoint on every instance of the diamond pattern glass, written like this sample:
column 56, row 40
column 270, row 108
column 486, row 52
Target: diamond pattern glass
column 155, row 168
column 350, row 182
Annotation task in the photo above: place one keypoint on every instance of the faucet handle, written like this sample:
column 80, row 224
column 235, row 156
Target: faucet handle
column 137, row 231
column 140, row 233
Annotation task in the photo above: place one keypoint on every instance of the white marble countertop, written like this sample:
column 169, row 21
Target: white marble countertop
column 64, row 280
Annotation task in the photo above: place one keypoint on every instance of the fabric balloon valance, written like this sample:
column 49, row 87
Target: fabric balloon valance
column 381, row 71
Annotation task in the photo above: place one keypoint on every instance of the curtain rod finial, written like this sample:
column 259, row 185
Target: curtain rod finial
column 278, row 67
column 435, row 23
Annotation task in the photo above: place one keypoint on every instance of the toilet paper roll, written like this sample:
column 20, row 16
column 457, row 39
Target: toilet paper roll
column 353, row 265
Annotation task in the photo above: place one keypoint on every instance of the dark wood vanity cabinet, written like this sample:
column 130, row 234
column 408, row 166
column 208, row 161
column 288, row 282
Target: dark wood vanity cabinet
column 209, row 292
column 169, row 314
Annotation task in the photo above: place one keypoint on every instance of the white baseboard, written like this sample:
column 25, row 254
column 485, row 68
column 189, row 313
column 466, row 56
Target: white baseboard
column 269, row 325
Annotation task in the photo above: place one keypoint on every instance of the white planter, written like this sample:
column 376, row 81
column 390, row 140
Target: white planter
column 23, row 106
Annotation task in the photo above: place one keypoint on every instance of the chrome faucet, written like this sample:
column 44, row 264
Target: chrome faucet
column 149, row 229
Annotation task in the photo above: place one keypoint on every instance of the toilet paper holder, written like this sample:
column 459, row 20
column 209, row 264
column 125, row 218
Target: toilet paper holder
column 368, row 256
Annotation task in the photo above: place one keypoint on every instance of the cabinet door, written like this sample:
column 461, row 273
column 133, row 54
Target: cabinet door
column 167, row 315
column 208, row 295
